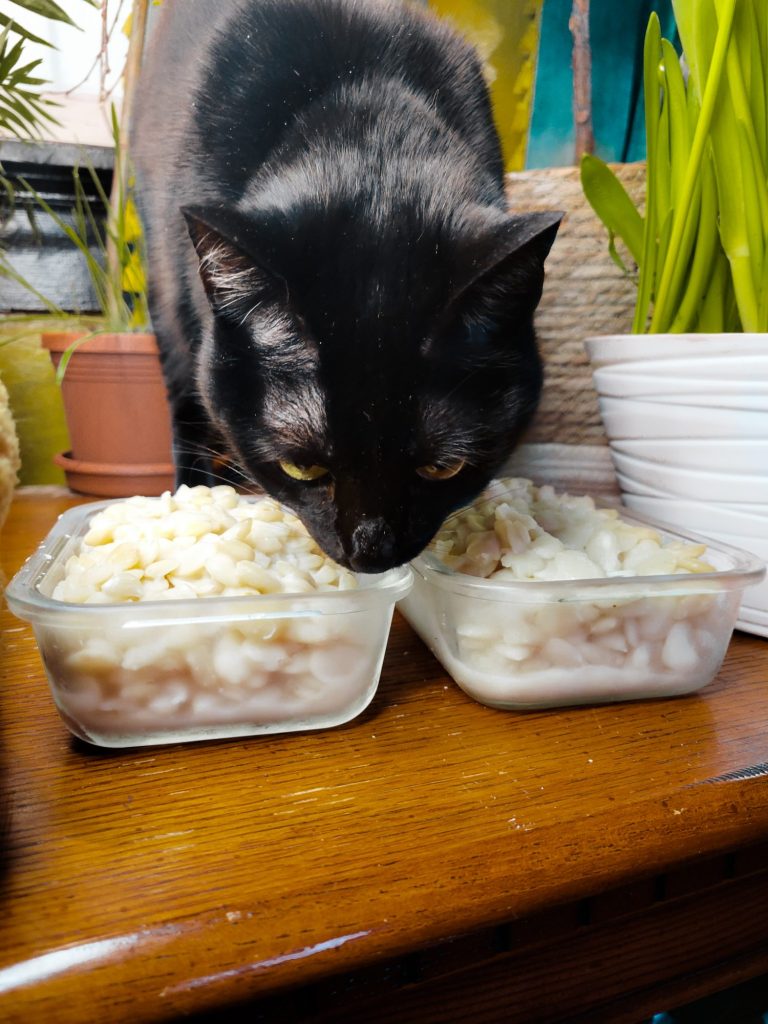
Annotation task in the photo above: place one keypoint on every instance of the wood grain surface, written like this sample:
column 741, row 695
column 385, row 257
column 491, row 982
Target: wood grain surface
column 148, row 884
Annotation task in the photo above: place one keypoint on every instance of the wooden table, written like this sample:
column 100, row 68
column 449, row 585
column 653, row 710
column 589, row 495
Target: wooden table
column 434, row 860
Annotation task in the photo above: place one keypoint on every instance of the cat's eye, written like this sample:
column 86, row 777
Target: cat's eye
column 305, row 473
column 441, row 471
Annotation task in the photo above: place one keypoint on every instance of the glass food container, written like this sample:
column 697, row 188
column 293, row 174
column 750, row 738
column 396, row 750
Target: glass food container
column 536, row 644
column 148, row 672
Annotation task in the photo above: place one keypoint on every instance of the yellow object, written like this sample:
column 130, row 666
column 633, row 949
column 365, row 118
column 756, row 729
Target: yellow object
column 9, row 455
column 506, row 36
column 133, row 274
column 35, row 402
column 432, row 472
column 303, row 472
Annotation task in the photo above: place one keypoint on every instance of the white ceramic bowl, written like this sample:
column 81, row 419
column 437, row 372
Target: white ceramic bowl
column 626, row 418
column 702, row 517
column 699, row 484
column 622, row 348
column 747, row 456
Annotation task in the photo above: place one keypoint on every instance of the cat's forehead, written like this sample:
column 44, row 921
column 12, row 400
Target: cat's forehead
column 353, row 259
column 379, row 305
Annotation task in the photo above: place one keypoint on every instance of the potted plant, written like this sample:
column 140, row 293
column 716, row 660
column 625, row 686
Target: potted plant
column 24, row 113
column 111, row 380
column 685, row 410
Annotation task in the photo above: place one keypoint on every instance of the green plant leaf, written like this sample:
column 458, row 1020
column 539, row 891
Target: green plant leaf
column 78, row 238
column 651, row 56
column 697, row 25
column 18, row 84
column 8, row 57
column 613, row 252
column 755, row 167
column 7, row 271
column 684, row 113
column 665, row 231
column 756, row 73
column 712, row 313
column 46, row 9
column 22, row 110
column 706, row 252
column 745, row 250
column 662, row 313
column 119, row 287
column 679, row 139
column 70, row 350
column 663, row 160
column 762, row 312
column 18, row 124
column 608, row 198
column 14, row 26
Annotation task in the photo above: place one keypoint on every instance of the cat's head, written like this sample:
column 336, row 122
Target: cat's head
column 372, row 378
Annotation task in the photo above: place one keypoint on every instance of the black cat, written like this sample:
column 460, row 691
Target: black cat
column 352, row 320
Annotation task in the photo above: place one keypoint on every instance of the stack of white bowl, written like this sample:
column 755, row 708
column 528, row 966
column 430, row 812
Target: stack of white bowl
column 687, row 422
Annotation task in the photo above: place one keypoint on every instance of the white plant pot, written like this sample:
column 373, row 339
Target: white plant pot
column 714, row 484
column 745, row 456
column 687, row 423
column 612, row 381
column 639, row 348
column 625, row 418
column 714, row 519
column 735, row 367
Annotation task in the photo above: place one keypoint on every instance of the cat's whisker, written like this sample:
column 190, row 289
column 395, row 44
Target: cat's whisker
column 462, row 382
column 218, row 476
column 195, row 449
column 200, row 451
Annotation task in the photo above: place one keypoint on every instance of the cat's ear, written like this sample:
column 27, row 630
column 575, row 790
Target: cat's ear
column 505, row 255
column 233, row 279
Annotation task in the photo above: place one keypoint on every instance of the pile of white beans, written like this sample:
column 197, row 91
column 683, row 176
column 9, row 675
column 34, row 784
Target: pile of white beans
column 523, row 532
column 198, row 542
column 556, row 647
column 214, row 664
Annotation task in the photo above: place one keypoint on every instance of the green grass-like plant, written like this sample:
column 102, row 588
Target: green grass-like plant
column 701, row 244
column 119, row 282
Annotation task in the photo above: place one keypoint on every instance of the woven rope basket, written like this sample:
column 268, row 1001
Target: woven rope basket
column 585, row 294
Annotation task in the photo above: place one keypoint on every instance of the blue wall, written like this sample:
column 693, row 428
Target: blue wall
column 617, row 29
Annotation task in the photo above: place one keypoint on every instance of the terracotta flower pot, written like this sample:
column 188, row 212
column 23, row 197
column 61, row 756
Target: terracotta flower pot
column 117, row 414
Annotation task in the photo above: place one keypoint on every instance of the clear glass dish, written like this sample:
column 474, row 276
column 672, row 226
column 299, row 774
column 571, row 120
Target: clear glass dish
column 152, row 672
column 538, row 644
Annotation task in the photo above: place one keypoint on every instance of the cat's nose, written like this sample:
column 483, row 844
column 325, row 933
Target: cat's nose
column 372, row 545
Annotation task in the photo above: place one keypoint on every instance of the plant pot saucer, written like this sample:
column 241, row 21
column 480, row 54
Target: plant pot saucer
column 110, row 480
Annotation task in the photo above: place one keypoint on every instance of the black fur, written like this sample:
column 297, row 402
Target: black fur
column 334, row 277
